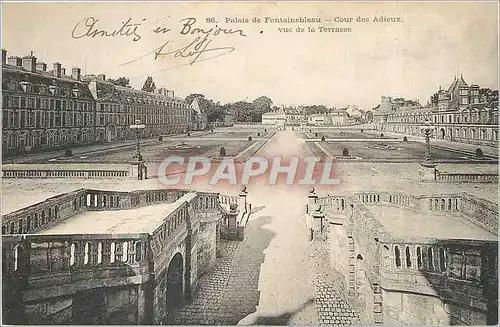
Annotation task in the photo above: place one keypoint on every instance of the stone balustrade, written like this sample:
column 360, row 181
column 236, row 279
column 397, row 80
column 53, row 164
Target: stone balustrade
column 45, row 214
column 226, row 200
column 332, row 203
column 34, row 256
column 481, row 212
column 456, row 269
column 64, row 173
column 466, row 178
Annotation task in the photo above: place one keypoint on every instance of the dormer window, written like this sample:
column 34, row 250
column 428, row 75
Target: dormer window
column 54, row 90
column 27, row 87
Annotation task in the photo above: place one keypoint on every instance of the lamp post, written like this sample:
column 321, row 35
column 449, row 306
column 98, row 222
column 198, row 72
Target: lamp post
column 138, row 169
column 137, row 127
column 428, row 171
column 427, row 129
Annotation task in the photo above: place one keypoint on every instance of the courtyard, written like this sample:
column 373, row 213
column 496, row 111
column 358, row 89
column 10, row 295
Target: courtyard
column 273, row 276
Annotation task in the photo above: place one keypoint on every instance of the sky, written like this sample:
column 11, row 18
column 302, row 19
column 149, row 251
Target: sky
column 431, row 44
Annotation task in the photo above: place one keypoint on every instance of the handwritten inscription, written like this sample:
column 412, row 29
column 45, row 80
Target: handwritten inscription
column 88, row 28
column 196, row 49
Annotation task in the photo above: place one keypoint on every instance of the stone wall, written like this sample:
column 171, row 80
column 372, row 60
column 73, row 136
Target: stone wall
column 415, row 280
column 47, row 278
column 207, row 247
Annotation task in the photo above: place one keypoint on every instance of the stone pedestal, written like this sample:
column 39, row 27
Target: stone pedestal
column 313, row 198
column 428, row 172
column 138, row 170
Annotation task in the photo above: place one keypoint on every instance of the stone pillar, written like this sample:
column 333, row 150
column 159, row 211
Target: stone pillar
column 313, row 198
column 232, row 225
column 137, row 170
column 318, row 223
column 428, row 172
column 243, row 199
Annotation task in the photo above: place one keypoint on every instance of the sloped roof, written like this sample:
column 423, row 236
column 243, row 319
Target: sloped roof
column 19, row 74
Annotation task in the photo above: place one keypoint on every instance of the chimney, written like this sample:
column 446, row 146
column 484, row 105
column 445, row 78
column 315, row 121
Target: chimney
column 4, row 57
column 63, row 71
column 57, row 69
column 41, row 66
column 75, row 73
column 15, row 61
column 29, row 62
column 102, row 77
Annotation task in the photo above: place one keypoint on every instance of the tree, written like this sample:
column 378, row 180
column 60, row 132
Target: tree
column 122, row 81
column 149, row 85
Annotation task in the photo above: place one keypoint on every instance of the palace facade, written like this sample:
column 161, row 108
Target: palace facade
column 462, row 113
column 44, row 110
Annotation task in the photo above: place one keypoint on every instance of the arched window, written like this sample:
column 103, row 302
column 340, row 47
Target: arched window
column 430, row 255
column 56, row 209
column 112, row 251
column 104, row 198
column 99, row 252
column 138, row 251
column 50, row 213
column 125, row 251
column 95, row 200
column 117, row 202
column 89, row 199
column 74, row 205
column 35, row 222
column 443, row 204
column 43, row 217
column 456, row 204
column 72, row 254
column 449, row 204
column 398, row 257
column 86, row 254
column 12, row 227
column 111, row 201
column 442, row 259
column 408, row 257
column 18, row 257
column 419, row 258
column 28, row 224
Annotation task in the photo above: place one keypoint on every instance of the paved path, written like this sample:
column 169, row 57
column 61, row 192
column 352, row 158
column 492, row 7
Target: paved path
column 286, row 291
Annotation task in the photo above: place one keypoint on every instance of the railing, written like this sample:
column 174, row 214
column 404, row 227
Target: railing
column 45, row 214
column 33, row 256
column 421, row 264
column 226, row 200
column 333, row 203
column 481, row 212
column 470, row 178
column 64, row 173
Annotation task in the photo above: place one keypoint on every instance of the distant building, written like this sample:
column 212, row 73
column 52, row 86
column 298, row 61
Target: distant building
column 458, row 114
column 319, row 120
column 295, row 116
column 339, row 117
column 277, row 118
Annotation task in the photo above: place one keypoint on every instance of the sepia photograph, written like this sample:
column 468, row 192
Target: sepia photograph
column 245, row 163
